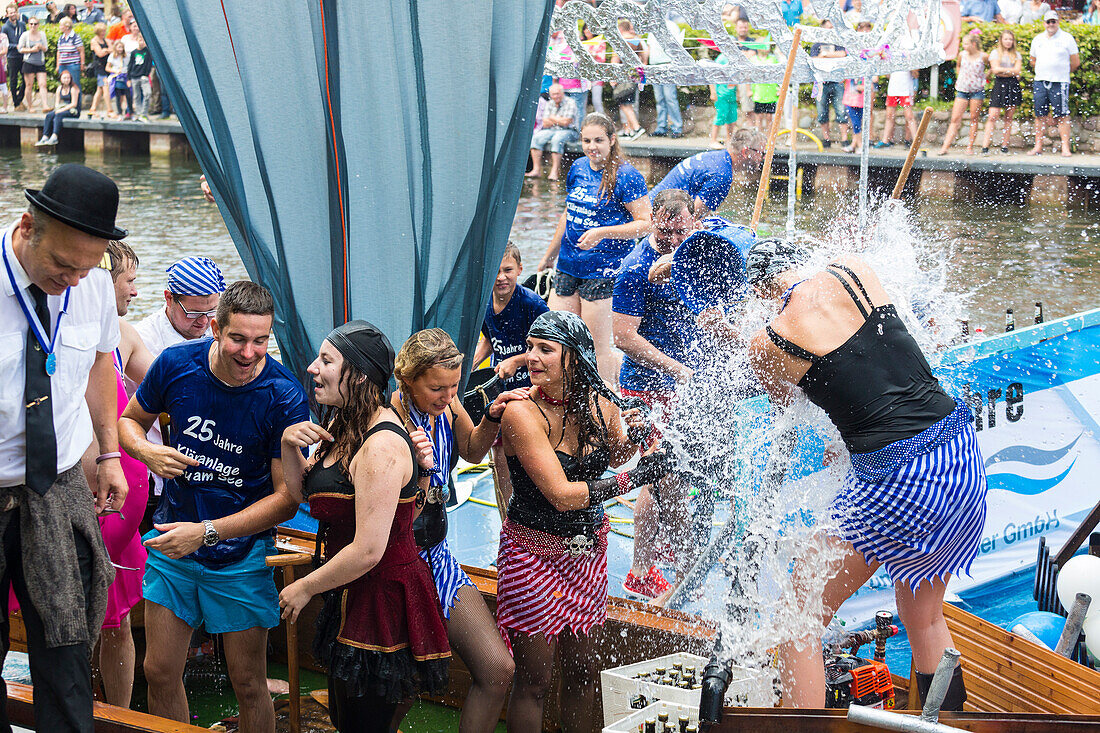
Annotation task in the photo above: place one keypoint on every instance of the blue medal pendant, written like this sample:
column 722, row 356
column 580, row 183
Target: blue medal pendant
column 51, row 364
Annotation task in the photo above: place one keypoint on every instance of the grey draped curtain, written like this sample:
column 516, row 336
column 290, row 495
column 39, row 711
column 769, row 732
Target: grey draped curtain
column 367, row 156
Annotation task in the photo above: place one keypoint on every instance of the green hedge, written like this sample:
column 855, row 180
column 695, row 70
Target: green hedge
column 52, row 32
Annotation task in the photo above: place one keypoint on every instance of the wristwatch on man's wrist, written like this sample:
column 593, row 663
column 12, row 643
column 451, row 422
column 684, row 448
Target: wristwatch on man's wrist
column 210, row 536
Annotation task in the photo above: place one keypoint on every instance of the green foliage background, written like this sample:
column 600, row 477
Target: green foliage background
column 52, row 32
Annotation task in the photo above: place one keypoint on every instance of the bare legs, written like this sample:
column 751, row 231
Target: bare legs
column 536, row 164
column 953, row 127
column 629, row 118
column 534, row 667
column 975, row 115
column 166, row 640
column 800, row 665
column 116, row 663
column 645, row 531
column 246, row 658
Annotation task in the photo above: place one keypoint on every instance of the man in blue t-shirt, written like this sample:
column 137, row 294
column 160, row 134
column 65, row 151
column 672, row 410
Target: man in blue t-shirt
column 656, row 333
column 228, row 404
column 509, row 315
column 707, row 177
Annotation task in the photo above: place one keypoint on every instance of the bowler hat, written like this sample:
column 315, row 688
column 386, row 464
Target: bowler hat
column 82, row 198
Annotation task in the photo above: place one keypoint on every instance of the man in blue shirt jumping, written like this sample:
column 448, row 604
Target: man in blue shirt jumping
column 229, row 405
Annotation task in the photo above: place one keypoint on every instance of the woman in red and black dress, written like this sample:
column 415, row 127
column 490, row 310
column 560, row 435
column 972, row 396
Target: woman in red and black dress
column 381, row 633
column 552, row 564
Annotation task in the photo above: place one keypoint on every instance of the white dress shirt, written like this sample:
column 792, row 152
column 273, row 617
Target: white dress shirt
column 90, row 325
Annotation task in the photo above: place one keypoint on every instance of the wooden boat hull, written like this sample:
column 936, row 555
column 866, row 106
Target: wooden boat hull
column 108, row 718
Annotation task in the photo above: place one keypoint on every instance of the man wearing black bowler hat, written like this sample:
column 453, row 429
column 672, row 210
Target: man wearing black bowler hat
column 58, row 330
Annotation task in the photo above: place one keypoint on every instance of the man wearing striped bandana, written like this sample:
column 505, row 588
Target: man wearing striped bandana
column 191, row 296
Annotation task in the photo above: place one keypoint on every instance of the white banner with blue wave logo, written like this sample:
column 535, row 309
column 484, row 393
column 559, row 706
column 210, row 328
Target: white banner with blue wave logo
column 1035, row 394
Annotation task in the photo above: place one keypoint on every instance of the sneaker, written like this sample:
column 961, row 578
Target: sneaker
column 826, row 143
column 985, row 151
column 52, row 140
column 647, row 588
column 676, row 134
column 1004, row 148
column 637, row 133
column 881, row 144
column 42, row 141
column 659, row 133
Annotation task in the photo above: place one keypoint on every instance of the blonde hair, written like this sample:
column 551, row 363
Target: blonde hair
column 426, row 349
column 120, row 255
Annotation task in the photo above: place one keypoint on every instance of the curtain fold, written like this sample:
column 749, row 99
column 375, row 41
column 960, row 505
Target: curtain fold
column 367, row 157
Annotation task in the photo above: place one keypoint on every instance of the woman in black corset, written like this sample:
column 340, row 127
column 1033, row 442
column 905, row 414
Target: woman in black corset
column 552, row 562
column 381, row 634
column 914, row 497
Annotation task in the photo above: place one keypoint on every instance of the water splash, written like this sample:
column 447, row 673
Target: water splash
column 763, row 472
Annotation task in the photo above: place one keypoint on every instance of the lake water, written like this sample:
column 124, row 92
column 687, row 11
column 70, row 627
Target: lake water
column 1005, row 255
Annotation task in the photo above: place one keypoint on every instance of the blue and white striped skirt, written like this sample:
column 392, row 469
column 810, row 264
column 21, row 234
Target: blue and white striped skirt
column 918, row 505
column 447, row 573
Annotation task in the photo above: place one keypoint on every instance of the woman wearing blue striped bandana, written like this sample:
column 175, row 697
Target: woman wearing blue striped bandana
column 914, row 498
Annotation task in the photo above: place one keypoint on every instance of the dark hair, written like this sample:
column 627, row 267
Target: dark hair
column 671, row 202
column 511, row 250
column 120, row 255
column 245, row 297
column 348, row 424
column 614, row 158
column 583, row 403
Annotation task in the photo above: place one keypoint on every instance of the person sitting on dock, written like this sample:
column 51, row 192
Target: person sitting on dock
column 229, row 404
column 656, row 333
column 914, row 497
column 380, row 634
column 65, row 101
column 560, row 123
column 552, row 562
column 707, row 177
column 428, row 369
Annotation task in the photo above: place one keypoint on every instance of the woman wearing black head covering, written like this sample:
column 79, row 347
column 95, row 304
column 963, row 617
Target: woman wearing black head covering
column 381, row 633
column 552, row 565
column 914, row 497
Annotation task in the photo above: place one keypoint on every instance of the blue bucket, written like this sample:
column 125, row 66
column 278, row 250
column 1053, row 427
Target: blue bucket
column 708, row 268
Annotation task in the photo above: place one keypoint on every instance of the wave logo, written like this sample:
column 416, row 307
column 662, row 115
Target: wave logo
column 1023, row 469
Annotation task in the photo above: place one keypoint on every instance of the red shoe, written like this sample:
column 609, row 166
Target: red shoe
column 649, row 587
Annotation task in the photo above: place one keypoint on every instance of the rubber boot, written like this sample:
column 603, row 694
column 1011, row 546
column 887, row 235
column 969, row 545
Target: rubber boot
column 956, row 691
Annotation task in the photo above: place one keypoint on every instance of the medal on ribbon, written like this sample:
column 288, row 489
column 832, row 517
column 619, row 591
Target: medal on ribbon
column 33, row 323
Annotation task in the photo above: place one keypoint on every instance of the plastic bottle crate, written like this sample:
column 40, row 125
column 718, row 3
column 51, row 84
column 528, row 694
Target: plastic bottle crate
column 633, row 722
column 748, row 688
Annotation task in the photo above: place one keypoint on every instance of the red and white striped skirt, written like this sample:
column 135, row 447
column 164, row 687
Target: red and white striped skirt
column 544, row 595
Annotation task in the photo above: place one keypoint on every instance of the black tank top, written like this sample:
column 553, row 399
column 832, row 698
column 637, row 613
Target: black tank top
column 335, row 479
column 876, row 387
column 529, row 507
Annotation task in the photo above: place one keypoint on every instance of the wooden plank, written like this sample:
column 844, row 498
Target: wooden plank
column 108, row 718
column 757, row 720
column 1009, row 673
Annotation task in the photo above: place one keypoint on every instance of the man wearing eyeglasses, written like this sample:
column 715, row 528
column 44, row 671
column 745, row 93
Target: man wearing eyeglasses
column 1054, row 57
column 191, row 296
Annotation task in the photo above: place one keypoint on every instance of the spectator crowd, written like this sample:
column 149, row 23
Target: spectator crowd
column 115, row 56
column 986, row 76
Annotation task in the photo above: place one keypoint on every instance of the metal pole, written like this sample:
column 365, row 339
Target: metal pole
column 865, row 151
column 1071, row 632
column 792, row 158
column 940, row 682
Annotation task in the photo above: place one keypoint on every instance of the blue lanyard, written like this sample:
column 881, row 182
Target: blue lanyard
column 33, row 323
column 441, row 444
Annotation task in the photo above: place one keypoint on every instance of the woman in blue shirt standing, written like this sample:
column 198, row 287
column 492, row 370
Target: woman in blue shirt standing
column 606, row 209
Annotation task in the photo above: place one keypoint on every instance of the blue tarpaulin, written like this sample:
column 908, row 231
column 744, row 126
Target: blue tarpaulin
column 366, row 156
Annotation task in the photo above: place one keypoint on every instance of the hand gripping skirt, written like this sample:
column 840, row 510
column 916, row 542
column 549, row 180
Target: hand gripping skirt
column 543, row 592
column 918, row 505
column 447, row 574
